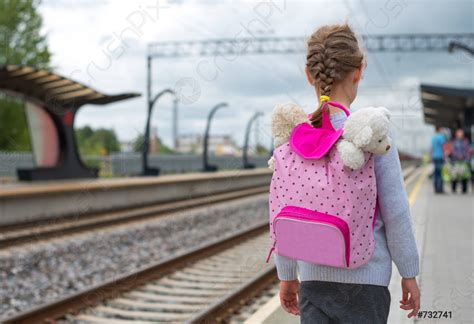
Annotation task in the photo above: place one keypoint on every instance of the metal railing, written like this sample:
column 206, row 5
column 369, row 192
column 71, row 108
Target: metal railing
column 129, row 164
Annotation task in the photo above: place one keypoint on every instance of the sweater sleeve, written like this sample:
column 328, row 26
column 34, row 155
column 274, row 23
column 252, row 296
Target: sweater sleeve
column 286, row 268
column 395, row 213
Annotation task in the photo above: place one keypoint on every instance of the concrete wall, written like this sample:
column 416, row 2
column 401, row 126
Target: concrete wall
column 49, row 200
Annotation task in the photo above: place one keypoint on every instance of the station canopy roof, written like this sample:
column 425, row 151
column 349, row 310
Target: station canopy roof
column 52, row 89
column 447, row 107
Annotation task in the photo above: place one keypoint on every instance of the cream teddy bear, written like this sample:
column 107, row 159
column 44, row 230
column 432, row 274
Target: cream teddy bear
column 365, row 130
column 284, row 118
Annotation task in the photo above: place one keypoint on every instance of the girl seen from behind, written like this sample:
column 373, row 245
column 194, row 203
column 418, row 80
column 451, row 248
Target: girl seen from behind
column 328, row 294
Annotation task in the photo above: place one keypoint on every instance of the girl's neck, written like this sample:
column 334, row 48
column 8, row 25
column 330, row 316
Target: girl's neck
column 343, row 101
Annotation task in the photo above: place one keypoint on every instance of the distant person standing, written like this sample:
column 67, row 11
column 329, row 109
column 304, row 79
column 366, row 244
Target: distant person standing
column 472, row 165
column 460, row 157
column 437, row 156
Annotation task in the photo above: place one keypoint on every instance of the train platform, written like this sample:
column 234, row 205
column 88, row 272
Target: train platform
column 26, row 202
column 204, row 270
column 443, row 226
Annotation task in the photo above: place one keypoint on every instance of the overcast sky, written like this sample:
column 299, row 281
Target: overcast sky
column 84, row 39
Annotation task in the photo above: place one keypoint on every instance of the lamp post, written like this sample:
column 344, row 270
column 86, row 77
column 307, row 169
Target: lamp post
column 147, row 171
column 206, row 166
column 175, row 123
column 246, row 163
column 272, row 147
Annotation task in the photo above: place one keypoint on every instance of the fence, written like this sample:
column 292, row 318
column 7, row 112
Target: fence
column 129, row 164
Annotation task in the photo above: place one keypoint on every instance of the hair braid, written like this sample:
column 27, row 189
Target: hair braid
column 332, row 52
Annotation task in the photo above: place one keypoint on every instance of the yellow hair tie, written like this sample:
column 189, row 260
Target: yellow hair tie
column 324, row 98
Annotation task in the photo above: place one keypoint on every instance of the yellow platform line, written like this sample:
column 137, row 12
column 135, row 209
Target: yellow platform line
column 417, row 187
column 395, row 314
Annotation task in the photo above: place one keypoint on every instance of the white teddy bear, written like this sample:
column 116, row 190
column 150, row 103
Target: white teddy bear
column 365, row 130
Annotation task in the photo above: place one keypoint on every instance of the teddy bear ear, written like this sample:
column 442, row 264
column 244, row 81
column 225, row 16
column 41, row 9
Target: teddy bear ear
column 284, row 118
column 363, row 137
column 289, row 114
column 385, row 111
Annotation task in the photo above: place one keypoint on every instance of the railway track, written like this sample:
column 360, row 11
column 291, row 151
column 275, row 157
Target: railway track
column 14, row 235
column 32, row 232
column 205, row 285
column 201, row 286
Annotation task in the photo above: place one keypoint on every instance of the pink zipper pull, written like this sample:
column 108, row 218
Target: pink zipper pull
column 271, row 251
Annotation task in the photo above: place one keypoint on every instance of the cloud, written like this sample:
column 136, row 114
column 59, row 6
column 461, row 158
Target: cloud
column 80, row 35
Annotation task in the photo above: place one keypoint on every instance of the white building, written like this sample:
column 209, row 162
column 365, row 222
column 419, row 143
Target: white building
column 126, row 147
column 217, row 144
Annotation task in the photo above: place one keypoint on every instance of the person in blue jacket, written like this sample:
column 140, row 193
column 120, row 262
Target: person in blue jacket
column 437, row 156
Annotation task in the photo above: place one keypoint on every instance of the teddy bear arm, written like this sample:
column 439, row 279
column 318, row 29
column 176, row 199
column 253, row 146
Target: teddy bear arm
column 351, row 155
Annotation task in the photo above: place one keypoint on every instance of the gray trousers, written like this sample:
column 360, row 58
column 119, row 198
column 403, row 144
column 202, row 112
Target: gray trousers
column 323, row 302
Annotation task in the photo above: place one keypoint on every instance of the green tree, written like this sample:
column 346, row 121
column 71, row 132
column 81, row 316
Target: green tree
column 262, row 150
column 96, row 142
column 138, row 145
column 20, row 43
column 14, row 134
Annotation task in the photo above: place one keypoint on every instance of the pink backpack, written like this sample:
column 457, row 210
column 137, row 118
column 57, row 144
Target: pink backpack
column 321, row 211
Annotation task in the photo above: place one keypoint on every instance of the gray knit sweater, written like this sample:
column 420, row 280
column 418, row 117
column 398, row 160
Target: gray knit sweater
column 394, row 239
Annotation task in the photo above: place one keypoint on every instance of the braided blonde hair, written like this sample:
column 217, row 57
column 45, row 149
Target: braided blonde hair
column 332, row 52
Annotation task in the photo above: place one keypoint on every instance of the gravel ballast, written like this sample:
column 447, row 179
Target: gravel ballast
column 40, row 273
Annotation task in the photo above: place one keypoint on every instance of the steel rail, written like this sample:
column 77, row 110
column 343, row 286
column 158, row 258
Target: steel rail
column 219, row 311
column 113, row 288
column 216, row 312
column 37, row 231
